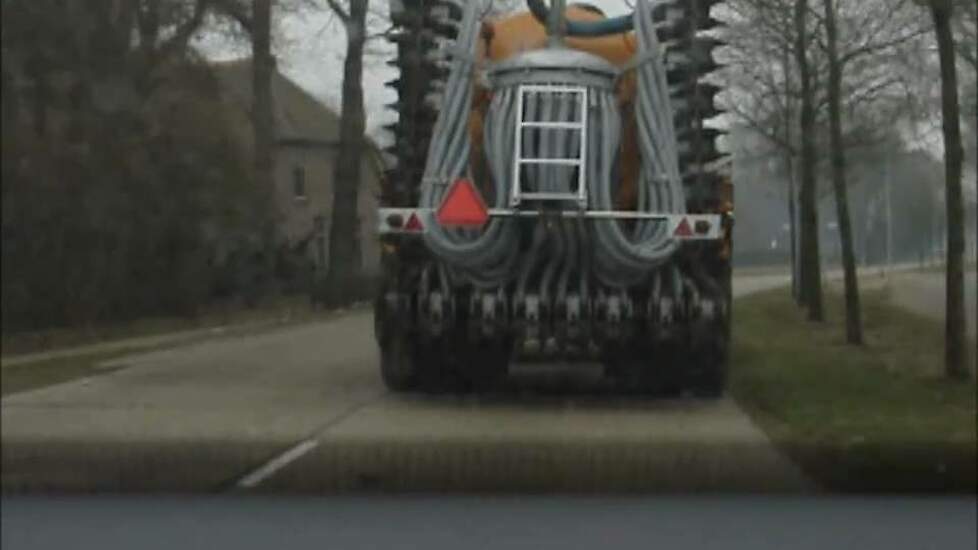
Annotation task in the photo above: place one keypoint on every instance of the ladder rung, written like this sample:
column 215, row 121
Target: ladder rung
column 575, row 162
column 549, row 196
column 551, row 89
column 564, row 125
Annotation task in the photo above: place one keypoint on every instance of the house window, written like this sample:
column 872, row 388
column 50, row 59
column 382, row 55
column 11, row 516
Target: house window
column 299, row 183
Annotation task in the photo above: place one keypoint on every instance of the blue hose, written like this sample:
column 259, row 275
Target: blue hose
column 615, row 25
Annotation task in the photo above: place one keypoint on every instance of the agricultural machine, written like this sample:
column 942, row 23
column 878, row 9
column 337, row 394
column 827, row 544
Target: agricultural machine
column 554, row 195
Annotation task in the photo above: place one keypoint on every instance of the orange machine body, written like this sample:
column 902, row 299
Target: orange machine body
column 509, row 36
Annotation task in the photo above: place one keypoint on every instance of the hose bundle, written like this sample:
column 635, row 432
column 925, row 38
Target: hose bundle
column 487, row 256
column 624, row 260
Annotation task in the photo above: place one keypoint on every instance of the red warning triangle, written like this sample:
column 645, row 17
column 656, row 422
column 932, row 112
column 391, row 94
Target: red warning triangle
column 414, row 223
column 462, row 205
column 683, row 229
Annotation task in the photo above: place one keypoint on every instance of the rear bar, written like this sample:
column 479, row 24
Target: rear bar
column 684, row 227
column 586, row 214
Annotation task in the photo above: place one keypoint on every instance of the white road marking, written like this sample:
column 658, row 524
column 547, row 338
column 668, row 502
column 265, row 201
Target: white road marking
column 266, row 471
column 270, row 468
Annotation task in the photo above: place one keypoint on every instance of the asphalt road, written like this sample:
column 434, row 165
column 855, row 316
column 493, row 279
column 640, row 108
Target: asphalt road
column 302, row 409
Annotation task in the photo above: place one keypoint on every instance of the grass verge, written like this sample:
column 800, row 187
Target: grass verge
column 285, row 309
column 878, row 418
column 18, row 377
column 37, row 374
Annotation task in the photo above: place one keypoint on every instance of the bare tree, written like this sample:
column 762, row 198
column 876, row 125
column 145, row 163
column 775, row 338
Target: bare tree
column 942, row 13
column 881, row 30
column 763, row 94
column 344, row 245
column 263, row 70
column 967, row 30
column 135, row 162
column 177, row 21
column 811, row 272
column 766, row 89
column 256, row 20
column 789, row 156
column 854, row 328
column 965, row 25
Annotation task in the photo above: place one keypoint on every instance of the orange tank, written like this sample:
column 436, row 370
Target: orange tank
column 522, row 32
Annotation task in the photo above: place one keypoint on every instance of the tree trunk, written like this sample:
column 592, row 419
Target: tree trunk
column 790, row 169
column 954, row 352
column 344, row 236
column 854, row 325
column 792, row 227
column 811, row 278
column 263, row 69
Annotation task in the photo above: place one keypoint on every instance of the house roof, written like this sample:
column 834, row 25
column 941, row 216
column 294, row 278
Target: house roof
column 298, row 115
column 301, row 120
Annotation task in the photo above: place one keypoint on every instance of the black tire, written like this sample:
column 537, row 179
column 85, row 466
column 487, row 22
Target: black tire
column 408, row 364
column 712, row 354
column 711, row 380
column 711, row 359
column 399, row 365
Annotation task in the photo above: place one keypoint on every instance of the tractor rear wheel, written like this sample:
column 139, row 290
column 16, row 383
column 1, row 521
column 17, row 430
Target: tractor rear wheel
column 709, row 376
column 399, row 365
column 408, row 363
column 711, row 351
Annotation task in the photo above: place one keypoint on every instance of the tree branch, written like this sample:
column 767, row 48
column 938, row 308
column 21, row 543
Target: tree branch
column 856, row 96
column 235, row 10
column 183, row 33
column 338, row 10
column 966, row 51
column 870, row 48
column 763, row 129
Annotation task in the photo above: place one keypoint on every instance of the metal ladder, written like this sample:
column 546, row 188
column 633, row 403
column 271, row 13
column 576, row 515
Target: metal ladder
column 579, row 195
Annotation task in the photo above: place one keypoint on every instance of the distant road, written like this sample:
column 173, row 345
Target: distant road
column 303, row 409
column 920, row 291
column 924, row 293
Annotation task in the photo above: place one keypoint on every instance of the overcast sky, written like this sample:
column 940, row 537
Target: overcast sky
column 311, row 52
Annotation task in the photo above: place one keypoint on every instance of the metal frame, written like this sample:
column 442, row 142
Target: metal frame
column 517, row 195
column 582, row 214
column 426, row 215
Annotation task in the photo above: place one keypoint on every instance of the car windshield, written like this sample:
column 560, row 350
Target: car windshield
column 277, row 246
